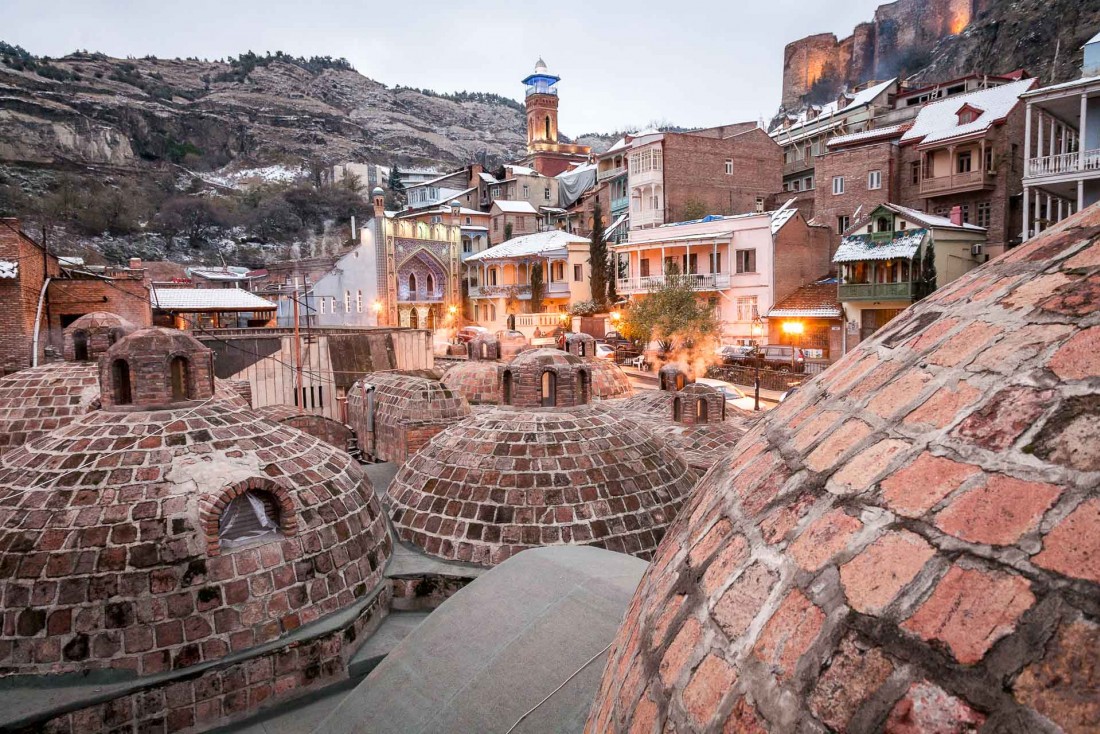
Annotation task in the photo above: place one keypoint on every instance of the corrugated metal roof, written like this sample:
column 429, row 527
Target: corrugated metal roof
column 864, row 247
column 207, row 299
column 939, row 120
column 514, row 207
column 530, row 245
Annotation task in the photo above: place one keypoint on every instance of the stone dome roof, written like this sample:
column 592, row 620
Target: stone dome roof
column 911, row 543
column 39, row 399
column 402, row 396
column 545, row 356
column 154, row 368
column 111, row 552
column 478, row 381
column 93, row 334
column 509, row 479
column 608, row 380
column 101, row 320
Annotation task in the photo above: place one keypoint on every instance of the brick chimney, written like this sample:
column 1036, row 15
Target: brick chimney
column 957, row 215
column 135, row 263
column 379, row 197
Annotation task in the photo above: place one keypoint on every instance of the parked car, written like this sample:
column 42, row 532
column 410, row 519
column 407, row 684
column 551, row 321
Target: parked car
column 783, row 358
column 616, row 339
column 732, row 393
column 732, row 355
column 467, row 333
column 605, row 351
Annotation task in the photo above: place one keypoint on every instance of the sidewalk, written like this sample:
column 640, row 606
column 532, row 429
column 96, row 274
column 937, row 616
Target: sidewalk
column 769, row 396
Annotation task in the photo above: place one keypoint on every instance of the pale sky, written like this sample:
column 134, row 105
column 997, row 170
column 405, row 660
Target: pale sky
column 624, row 63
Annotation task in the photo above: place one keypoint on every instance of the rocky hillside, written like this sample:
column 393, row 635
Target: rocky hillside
column 88, row 109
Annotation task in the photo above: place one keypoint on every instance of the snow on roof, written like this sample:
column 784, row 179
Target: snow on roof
column 620, row 144
column 1064, row 85
column 514, row 207
column 855, row 101
column 782, row 215
column 865, row 247
column 814, row 300
column 521, row 170
column 930, row 220
column 569, row 172
column 70, row 261
column 615, row 225
column 1094, row 39
column 226, row 273
column 939, row 120
column 530, row 245
column 207, row 299
column 878, row 132
column 488, row 177
column 431, row 181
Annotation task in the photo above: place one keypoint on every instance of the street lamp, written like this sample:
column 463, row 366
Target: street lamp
column 757, row 332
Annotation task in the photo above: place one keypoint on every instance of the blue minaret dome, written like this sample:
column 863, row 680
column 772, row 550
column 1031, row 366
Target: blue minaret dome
column 542, row 81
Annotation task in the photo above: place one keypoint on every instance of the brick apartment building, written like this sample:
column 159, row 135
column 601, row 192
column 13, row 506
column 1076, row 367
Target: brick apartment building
column 962, row 151
column 72, row 292
column 673, row 177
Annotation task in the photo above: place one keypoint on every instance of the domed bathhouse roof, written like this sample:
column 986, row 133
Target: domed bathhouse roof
column 93, row 334
column 395, row 413
column 509, row 479
column 484, row 346
column 477, row 380
column 674, row 376
column 155, row 537
column 329, row 430
column 911, row 543
column 549, row 377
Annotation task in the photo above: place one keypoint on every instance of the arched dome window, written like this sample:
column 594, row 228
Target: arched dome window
column 120, row 382
column 250, row 517
column 80, row 346
column 677, row 410
column 549, row 389
column 506, row 397
column 547, row 124
column 412, row 284
column 701, row 410
column 180, row 374
column 431, row 285
column 583, row 386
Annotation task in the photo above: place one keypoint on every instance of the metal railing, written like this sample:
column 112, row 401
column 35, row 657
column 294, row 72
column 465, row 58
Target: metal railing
column 698, row 281
column 1062, row 163
column 419, row 296
column 968, row 180
column 876, row 291
column 610, row 173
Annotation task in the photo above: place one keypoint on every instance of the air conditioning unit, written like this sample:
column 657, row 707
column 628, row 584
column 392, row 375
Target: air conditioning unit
column 975, row 250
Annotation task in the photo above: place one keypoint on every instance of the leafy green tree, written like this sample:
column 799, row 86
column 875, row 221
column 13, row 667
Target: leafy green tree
column 926, row 282
column 692, row 209
column 671, row 314
column 597, row 257
column 538, row 287
column 507, row 231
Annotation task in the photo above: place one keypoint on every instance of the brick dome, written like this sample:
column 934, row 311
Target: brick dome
column 608, row 380
column 93, row 334
column 130, row 539
column 155, row 368
column 509, row 479
column 674, row 376
column 911, row 543
column 484, row 346
column 546, row 378
column 395, row 413
column 478, row 381
column 580, row 344
column 329, row 430
column 37, row 400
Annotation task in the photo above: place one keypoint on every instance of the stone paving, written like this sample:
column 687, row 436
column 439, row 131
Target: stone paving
column 910, row 544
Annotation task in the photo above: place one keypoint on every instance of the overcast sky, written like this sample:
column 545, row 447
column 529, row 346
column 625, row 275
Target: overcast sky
column 624, row 63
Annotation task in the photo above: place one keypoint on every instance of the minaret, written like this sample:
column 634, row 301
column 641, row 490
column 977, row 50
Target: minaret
column 542, row 108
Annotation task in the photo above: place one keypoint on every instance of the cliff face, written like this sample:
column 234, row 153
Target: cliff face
column 936, row 40
column 90, row 109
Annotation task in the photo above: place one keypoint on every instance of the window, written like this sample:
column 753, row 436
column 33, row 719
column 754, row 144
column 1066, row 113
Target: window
column 987, row 162
column 492, row 276
column 526, row 191
column 549, row 389
column 643, row 267
column 358, row 301
column 729, row 166
column 322, row 305
column 578, row 273
column 715, row 262
column 677, row 410
column 332, row 304
column 412, row 285
column 583, row 384
column 808, row 183
column 874, row 180
column 467, row 218
column 646, row 160
column 745, row 261
column 546, row 123
column 546, row 194
column 496, row 224
column 965, row 208
column 914, row 172
column 984, row 214
column 746, row 308
column 963, row 162
column 759, row 204
column 120, row 371
column 557, row 272
column 347, row 301
column 251, row 517
column 180, row 372
column 507, row 385
column 690, row 264
column 838, row 185
column 467, row 245
column 701, row 410
column 842, row 224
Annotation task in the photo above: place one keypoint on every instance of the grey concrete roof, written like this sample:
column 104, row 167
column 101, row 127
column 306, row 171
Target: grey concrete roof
column 498, row 647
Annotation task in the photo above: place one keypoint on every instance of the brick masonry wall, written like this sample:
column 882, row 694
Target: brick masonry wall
column 20, row 297
column 695, row 172
column 854, row 165
column 125, row 297
column 149, row 354
column 525, row 375
column 803, row 254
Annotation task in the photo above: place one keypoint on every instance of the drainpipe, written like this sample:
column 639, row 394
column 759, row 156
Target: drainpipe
column 38, row 321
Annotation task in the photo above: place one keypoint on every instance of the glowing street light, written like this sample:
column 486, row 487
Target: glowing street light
column 615, row 315
column 794, row 328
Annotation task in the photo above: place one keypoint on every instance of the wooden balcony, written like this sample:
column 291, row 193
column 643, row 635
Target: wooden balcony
column 876, row 291
column 610, row 173
column 957, row 183
column 1064, row 163
column 699, row 282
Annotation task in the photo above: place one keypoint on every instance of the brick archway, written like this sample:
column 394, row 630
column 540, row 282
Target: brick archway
column 211, row 509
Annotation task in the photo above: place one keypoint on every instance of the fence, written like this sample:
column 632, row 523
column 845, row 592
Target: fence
column 769, row 379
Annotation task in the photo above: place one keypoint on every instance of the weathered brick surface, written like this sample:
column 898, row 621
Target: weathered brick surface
column 911, row 542
column 509, row 479
column 109, row 548
column 146, row 356
column 331, row 431
column 39, row 399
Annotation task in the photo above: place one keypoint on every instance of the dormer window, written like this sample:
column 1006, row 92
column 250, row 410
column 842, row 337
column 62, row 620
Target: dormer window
column 968, row 113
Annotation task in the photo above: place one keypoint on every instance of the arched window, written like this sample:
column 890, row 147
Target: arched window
column 120, row 378
column 701, row 410
column 677, row 410
column 347, row 301
column 549, row 389
column 251, row 517
column 547, row 123
column 412, row 284
column 80, row 346
column 180, row 372
column 484, row 350
column 583, row 382
column 431, row 285
column 507, row 388
column 681, row 380
column 414, row 319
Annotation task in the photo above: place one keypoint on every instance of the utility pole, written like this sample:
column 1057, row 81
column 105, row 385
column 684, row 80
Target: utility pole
column 298, row 397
